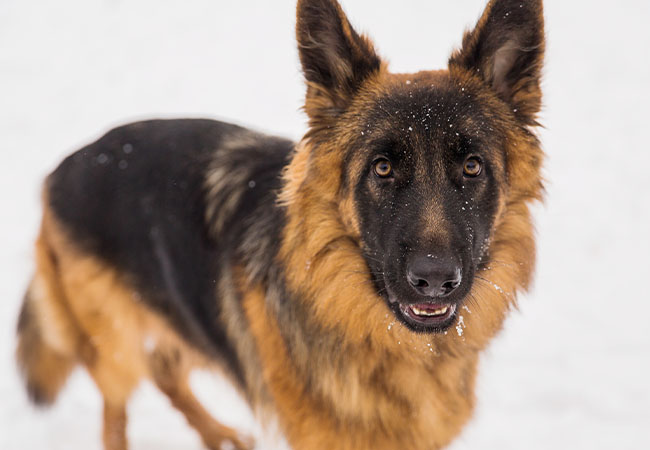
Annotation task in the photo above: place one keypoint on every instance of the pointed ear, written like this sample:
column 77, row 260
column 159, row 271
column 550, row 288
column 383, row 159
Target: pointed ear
column 506, row 49
column 335, row 59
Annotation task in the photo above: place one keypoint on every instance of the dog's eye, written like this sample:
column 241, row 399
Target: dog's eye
column 383, row 168
column 472, row 167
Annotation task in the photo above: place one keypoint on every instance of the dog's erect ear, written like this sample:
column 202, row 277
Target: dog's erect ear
column 335, row 59
column 506, row 49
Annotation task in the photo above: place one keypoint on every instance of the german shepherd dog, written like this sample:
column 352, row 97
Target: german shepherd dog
column 346, row 283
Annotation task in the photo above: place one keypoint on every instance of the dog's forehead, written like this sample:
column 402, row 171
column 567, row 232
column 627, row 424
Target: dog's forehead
column 428, row 110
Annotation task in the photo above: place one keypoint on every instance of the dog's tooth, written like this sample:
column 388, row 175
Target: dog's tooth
column 438, row 312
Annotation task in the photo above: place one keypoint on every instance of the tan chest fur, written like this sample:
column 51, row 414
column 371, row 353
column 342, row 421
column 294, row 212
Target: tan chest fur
column 367, row 399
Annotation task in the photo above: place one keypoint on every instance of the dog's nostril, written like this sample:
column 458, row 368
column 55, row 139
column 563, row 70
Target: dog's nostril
column 417, row 281
column 449, row 286
column 433, row 278
column 421, row 283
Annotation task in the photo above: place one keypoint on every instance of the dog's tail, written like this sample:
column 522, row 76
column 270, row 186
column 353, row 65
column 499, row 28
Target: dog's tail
column 47, row 335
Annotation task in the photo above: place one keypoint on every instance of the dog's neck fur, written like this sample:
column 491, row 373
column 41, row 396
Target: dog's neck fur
column 343, row 372
column 351, row 361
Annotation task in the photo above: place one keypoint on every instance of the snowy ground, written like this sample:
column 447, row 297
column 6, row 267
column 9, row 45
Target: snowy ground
column 570, row 370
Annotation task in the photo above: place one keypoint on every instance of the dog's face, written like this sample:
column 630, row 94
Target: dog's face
column 427, row 170
column 424, row 158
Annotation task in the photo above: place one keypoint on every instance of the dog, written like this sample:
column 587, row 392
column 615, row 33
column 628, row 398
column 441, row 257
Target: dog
column 346, row 284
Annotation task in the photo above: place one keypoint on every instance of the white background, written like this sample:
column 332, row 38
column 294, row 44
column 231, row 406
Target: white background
column 570, row 370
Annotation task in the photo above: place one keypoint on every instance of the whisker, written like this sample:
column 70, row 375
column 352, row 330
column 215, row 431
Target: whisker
column 361, row 282
column 508, row 295
column 363, row 272
column 473, row 300
column 497, row 262
column 373, row 259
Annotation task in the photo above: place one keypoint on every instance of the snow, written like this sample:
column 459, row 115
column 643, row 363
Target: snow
column 460, row 325
column 570, row 369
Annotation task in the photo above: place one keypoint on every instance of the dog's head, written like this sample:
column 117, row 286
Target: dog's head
column 429, row 173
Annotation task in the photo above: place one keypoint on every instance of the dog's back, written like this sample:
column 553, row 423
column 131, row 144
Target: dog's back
column 126, row 261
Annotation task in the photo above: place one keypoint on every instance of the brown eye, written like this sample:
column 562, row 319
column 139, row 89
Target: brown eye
column 472, row 167
column 383, row 168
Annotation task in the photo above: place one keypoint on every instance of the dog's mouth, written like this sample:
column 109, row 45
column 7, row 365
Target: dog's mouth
column 428, row 314
column 432, row 316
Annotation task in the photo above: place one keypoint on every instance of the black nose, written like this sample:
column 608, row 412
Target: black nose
column 434, row 276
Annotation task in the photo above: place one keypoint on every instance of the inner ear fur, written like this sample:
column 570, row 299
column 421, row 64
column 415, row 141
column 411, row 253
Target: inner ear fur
column 506, row 50
column 335, row 58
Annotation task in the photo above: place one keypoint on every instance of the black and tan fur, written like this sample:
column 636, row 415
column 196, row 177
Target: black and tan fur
column 169, row 245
